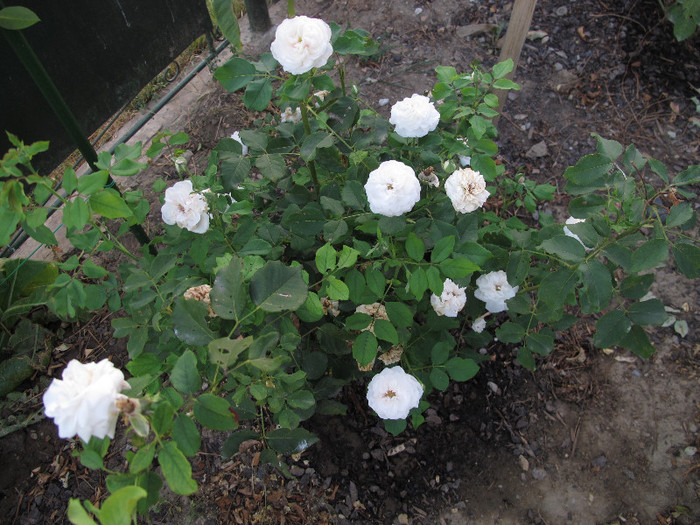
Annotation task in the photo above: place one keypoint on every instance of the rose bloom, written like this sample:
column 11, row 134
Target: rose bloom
column 569, row 233
column 479, row 325
column 84, row 401
column 392, row 393
column 494, row 290
column 451, row 301
column 237, row 137
column 392, row 189
column 291, row 116
column 466, row 189
column 185, row 208
column 301, row 44
column 414, row 117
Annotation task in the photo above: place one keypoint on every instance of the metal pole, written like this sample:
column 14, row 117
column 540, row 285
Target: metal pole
column 258, row 15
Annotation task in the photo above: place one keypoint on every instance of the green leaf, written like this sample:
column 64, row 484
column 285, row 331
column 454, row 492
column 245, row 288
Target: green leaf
column 526, row 359
column 588, row 174
column 504, row 83
column 276, row 287
column 109, row 204
column 610, row 148
column 234, row 171
column 443, row 249
column 440, row 353
column 176, row 469
column 649, row 255
column 162, row 418
column 501, row 69
column 186, row 435
column 185, row 377
column 325, row 258
column 337, row 289
column 395, row 426
column 510, row 332
column 439, row 379
column 597, row 286
column 518, row 267
column 92, row 182
column 77, row 514
column 313, row 142
column 17, row 17
column 415, row 248
column 91, row 459
column 399, row 314
column 650, row 312
column 190, row 322
column 347, row 257
column 364, row 349
column 636, row 286
column 234, row 441
column 461, row 369
column 637, row 342
column 418, row 283
column 226, row 19
column 689, row 176
column 358, row 321
column 540, row 343
column 385, row 331
column 565, row 247
column 76, row 214
column 291, row 441
column 225, row 351
column 687, row 258
column 458, row 267
column 611, row 329
column 228, row 295
column 213, row 412
column 312, row 310
column 142, row 459
column 258, row 94
column 272, row 166
column 118, row 507
column 302, row 399
column 680, row 214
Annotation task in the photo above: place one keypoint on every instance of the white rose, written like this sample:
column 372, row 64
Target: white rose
column 302, row 43
column 466, row 189
column 186, row 209
column 451, row 301
column 392, row 189
column 237, row 137
column 479, row 325
column 392, row 393
column 291, row 116
column 414, row 117
column 494, row 290
column 84, row 401
column 569, row 233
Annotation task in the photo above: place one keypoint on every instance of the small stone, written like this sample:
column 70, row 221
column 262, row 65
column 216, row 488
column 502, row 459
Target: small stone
column 402, row 519
column 538, row 473
column 599, row 462
column 690, row 451
column 418, row 10
column 538, row 150
column 494, row 388
column 561, row 11
column 629, row 474
column 524, row 463
column 383, row 102
column 296, row 471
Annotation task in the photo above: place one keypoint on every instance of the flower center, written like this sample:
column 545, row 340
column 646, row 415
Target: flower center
column 498, row 287
column 389, row 394
column 389, row 187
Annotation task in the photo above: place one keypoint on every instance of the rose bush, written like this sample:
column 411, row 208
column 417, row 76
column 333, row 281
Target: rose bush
column 414, row 116
column 334, row 247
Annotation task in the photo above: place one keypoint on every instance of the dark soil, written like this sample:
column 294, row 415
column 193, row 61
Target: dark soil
column 591, row 437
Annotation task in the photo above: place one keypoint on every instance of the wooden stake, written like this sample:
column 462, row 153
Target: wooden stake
column 520, row 20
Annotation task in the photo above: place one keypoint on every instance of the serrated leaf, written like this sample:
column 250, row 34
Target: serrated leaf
column 184, row 376
column 325, row 258
column 650, row 312
column 189, row 322
column 186, row 435
column 385, row 331
column 213, row 412
column 415, row 248
column 611, row 329
column 258, row 94
column 461, row 369
column 176, row 469
column 637, row 342
column 109, row 204
column 291, row 441
column 276, row 287
column 228, row 295
column 439, row 379
column 364, row 349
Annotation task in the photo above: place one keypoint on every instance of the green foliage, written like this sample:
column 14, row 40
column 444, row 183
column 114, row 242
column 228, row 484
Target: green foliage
column 685, row 17
column 297, row 288
column 17, row 17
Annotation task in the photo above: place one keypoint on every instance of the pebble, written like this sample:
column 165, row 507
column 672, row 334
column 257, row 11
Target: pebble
column 538, row 473
column 494, row 388
column 690, row 451
column 561, row 11
column 383, row 101
column 296, row 471
column 600, row 462
column 629, row 474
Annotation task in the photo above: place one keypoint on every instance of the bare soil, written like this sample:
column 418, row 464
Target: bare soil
column 591, row 437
